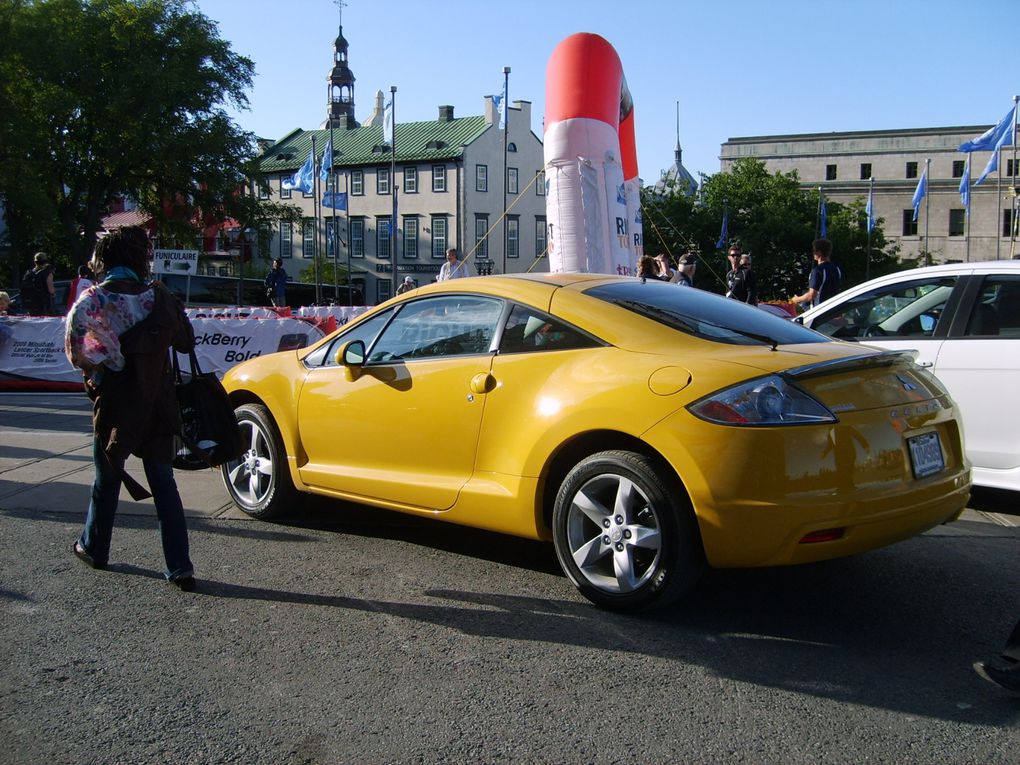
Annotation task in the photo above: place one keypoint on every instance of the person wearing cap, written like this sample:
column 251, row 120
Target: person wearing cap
column 406, row 286
column 37, row 288
column 741, row 283
column 685, row 274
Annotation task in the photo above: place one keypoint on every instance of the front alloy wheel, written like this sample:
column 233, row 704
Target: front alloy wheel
column 622, row 536
column 259, row 480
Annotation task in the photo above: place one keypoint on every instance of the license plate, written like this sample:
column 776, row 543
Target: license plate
column 926, row 455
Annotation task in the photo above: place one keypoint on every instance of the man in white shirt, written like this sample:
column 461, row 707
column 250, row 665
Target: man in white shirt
column 453, row 268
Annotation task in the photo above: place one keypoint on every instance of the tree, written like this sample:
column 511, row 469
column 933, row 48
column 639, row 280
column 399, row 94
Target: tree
column 116, row 97
column 772, row 217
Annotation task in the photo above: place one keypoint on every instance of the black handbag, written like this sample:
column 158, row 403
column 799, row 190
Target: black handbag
column 210, row 435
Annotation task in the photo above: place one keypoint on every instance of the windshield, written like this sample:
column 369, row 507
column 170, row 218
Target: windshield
column 704, row 315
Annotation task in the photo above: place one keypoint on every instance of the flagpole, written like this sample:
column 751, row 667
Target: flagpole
column 1015, row 206
column 393, row 187
column 927, row 200
column 332, row 217
column 818, row 212
column 315, row 213
column 506, row 144
column 966, row 209
column 869, row 214
column 347, row 225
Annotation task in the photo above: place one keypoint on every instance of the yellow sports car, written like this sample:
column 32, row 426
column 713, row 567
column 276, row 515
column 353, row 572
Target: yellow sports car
column 647, row 429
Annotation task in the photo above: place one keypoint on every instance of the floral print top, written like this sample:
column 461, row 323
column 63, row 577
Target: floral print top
column 95, row 323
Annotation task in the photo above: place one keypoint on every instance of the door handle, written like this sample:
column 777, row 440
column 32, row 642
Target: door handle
column 483, row 383
column 925, row 364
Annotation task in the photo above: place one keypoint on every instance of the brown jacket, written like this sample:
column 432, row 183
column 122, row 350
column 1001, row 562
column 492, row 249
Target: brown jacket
column 134, row 411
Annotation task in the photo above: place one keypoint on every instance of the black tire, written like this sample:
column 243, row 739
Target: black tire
column 259, row 481
column 622, row 536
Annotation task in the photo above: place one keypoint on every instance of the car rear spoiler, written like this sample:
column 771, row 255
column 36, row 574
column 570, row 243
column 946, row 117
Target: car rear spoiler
column 862, row 361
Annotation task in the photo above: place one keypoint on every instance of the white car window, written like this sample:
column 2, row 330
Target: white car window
column 997, row 310
column 907, row 309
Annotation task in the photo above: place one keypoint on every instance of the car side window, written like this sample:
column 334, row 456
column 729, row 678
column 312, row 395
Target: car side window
column 996, row 313
column 528, row 331
column 366, row 331
column 906, row 309
column 447, row 325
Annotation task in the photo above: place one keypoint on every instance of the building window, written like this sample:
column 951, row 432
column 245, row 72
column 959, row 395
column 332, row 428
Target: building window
column 382, row 181
column 956, row 221
column 513, row 236
column 958, row 167
column 439, row 178
column 1007, row 222
column 511, row 180
column 309, row 193
column 263, row 187
column 511, row 147
column 357, row 183
column 411, row 237
column 911, row 170
column 540, row 237
column 383, row 290
column 540, row 187
column 1011, row 167
column 481, row 177
column 410, row 180
column 265, row 238
column 909, row 224
column 382, row 237
column 308, row 239
column 830, row 172
column 357, row 232
column 865, row 170
column 332, row 225
column 286, row 239
column 438, row 236
column 284, row 193
column 481, row 241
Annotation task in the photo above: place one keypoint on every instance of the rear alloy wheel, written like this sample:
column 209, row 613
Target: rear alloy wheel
column 259, row 481
column 622, row 536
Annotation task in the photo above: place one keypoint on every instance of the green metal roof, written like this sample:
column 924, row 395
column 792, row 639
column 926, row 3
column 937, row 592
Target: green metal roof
column 416, row 142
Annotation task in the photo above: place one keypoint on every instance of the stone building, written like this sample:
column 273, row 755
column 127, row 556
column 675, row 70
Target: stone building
column 842, row 164
column 447, row 175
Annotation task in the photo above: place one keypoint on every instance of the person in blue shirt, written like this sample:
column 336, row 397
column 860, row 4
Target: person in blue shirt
column 276, row 284
column 826, row 277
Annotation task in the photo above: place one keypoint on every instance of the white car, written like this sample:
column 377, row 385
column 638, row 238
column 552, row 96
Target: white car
column 964, row 321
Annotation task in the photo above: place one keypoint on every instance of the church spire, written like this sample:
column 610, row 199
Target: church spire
column 340, row 94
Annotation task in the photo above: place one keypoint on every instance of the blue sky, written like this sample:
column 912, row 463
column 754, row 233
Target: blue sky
column 736, row 67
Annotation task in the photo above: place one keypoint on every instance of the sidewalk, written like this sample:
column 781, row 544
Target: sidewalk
column 46, row 464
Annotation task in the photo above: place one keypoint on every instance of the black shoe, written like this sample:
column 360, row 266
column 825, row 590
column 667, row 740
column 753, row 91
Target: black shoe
column 1005, row 677
column 185, row 583
column 84, row 557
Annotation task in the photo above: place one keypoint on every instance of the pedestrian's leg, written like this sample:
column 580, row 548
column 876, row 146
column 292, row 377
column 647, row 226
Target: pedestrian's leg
column 95, row 538
column 173, row 528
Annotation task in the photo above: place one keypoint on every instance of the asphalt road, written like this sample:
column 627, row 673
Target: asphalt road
column 349, row 635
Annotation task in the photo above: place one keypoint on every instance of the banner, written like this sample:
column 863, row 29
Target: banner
column 32, row 349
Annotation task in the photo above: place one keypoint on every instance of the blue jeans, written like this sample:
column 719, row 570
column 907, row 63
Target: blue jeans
column 95, row 539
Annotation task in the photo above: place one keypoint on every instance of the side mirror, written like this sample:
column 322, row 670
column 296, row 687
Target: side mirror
column 351, row 356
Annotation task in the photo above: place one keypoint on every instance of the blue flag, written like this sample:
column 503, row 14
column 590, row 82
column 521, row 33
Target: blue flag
column 387, row 123
column 995, row 137
column 327, row 162
column 991, row 167
column 724, row 233
column 823, row 214
column 302, row 180
column 336, row 200
column 870, row 208
column 920, row 191
column 965, row 186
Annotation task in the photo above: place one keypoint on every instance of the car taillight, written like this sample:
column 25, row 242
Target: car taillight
column 765, row 401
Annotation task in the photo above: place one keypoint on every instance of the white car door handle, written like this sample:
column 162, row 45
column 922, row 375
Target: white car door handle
column 926, row 364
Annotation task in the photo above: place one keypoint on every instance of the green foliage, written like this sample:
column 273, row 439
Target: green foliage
column 773, row 218
column 116, row 97
column 326, row 274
